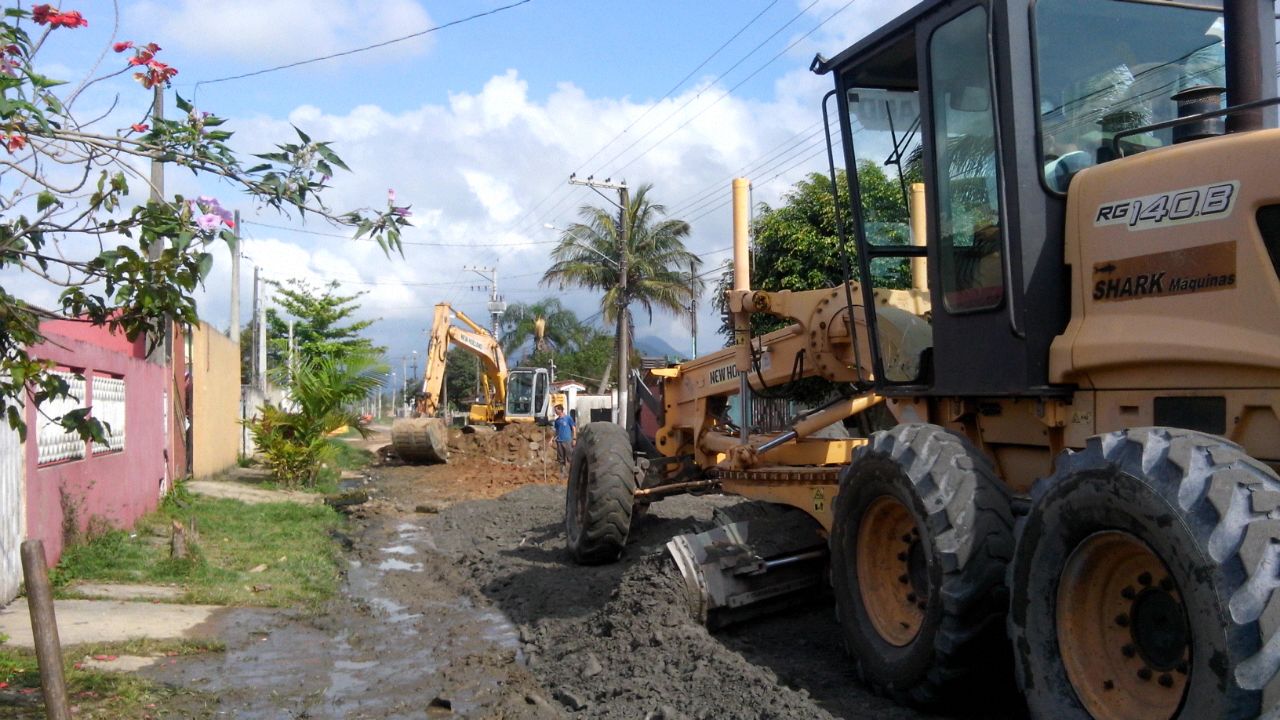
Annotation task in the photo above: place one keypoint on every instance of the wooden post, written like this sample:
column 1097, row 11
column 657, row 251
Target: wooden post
column 44, row 627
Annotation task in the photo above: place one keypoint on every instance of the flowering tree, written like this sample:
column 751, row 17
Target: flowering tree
column 67, row 216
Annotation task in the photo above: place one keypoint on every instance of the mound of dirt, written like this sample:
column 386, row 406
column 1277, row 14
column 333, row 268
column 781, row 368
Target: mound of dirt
column 523, row 444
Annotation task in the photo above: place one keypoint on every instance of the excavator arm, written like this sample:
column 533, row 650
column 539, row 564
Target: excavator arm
column 475, row 340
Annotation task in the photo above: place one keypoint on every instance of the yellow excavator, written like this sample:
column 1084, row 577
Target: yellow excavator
column 1068, row 420
column 519, row 395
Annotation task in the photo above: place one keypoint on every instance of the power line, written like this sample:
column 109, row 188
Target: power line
column 726, row 93
column 365, row 48
column 403, row 242
column 686, row 104
column 684, row 79
column 560, row 188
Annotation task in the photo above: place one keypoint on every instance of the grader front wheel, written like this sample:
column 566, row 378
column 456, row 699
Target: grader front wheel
column 921, row 536
column 600, row 497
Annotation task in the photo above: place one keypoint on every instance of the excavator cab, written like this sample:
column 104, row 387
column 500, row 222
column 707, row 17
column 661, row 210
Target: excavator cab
column 528, row 395
column 994, row 108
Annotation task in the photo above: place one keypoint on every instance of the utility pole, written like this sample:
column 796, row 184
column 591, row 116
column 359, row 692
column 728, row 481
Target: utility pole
column 404, row 379
column 624, row 328
column 260, row 328
column 234, row 330
column 693, row 308
column 291, row 351
column 496, row 305
column 253, row 360
column 157, row 197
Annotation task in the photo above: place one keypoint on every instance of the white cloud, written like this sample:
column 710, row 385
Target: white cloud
column 282, row 30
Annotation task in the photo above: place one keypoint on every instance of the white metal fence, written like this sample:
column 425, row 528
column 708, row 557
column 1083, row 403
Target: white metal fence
column 54, row 443
column 108, row 408
column 12, row 467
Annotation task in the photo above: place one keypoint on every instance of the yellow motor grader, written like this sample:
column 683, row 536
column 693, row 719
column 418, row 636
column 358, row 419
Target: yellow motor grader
column 1083, row 379
column 519, row 395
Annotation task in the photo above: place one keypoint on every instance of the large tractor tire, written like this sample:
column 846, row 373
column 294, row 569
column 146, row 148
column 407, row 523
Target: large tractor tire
column 1144, row 582
column 921, row 539
column 600, row 497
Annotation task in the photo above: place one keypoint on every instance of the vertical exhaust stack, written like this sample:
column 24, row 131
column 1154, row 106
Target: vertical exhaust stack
column 1243, row 38
column 742, row 283
column 916, row 209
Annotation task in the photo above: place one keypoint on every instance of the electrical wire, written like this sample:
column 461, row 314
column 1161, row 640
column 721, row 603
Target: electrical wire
column 726, row 93
column 403, row 242
column 682, row 81
column 717, row 79
column 365, row 48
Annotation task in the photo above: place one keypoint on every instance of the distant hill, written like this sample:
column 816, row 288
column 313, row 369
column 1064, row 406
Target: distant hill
column 652, row 346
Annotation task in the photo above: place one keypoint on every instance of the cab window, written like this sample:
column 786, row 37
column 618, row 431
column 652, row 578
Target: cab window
column 969, row 218
column 1104, row 67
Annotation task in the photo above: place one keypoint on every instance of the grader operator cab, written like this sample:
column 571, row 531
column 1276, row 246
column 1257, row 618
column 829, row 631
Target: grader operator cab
column 1083, row 379
column 520, row 395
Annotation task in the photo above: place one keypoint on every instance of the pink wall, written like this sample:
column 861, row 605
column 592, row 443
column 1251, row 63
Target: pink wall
column 120, row 486
column 85, row 332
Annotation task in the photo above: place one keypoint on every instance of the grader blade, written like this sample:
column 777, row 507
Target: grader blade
column 729, row 579
column 420, row 440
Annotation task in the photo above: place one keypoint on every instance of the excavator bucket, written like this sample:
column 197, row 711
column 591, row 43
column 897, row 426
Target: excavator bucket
column 742, row 569
column 419, row 440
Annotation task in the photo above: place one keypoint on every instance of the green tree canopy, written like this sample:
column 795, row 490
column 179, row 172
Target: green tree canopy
column 562, row 331
column 591, row 254
column 321, row 325
column 796, row 246
column 461, row 378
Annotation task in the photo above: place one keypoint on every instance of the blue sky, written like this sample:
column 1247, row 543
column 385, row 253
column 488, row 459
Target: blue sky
column 478, row 126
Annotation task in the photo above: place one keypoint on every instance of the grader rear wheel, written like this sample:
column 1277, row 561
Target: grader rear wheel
column 600, row 497
column 1122, row 627
column 1145, row 582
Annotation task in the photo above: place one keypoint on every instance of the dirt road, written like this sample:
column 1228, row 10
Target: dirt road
column 471, row 607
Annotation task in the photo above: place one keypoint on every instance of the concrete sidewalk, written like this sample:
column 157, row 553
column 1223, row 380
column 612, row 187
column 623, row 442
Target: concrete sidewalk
column 97, row 621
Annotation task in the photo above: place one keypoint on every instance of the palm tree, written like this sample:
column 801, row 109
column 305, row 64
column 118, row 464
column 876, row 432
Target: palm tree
column 659, row 267
column 560, row 331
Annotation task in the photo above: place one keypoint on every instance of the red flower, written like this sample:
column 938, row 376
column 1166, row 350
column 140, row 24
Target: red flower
column 45, row 15
column 157, row 73
column 122, row 46
column 71, row 19
column 140, row 127
column 14, row 143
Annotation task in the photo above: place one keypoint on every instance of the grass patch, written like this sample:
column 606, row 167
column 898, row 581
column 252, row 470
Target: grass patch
column 293, row 541
column 98, row 694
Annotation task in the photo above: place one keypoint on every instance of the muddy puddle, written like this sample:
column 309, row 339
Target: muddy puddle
column 404, row 640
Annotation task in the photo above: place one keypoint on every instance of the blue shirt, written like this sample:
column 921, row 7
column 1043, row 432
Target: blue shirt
column 564, row 428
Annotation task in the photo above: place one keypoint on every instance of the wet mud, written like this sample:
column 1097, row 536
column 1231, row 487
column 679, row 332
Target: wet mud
column 456, row 607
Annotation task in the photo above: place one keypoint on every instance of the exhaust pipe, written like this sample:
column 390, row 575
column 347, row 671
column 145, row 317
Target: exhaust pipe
column 1242, row 34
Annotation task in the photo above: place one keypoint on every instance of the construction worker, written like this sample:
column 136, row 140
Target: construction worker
column 565, row 438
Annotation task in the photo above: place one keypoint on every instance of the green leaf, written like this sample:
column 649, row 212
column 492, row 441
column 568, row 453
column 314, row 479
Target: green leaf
column 204, row 265
column 305, row 137
column 43, row 82
column 331, row 156
column 183, row 105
